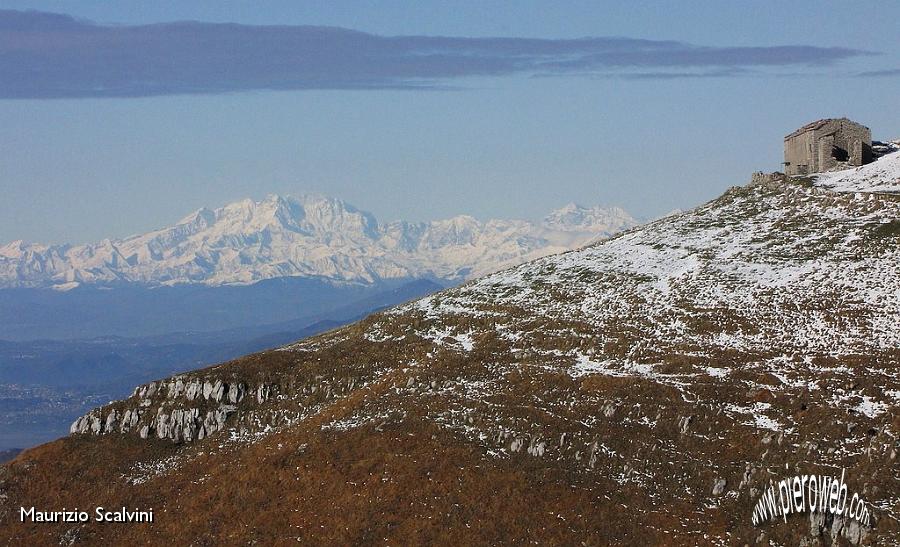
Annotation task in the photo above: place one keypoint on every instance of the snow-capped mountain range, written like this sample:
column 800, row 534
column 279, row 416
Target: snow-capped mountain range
column 305, row 236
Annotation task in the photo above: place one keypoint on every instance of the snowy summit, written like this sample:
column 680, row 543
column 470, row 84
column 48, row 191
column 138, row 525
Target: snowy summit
column 305, row 236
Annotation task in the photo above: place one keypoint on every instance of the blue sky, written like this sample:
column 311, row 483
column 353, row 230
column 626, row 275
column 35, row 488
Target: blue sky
column 116, row 121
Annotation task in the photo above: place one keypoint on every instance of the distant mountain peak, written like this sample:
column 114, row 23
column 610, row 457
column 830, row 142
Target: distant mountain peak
column 575, row 217
column 305, row 235
column 570, row 207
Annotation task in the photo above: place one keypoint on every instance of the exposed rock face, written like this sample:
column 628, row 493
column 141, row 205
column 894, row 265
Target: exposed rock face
column 719, row 487
column 824, row 526
column 191, row 407
column 766, row 178
column 181, row 409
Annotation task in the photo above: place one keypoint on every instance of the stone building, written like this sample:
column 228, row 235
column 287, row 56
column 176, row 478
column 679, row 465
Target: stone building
column 827, row 145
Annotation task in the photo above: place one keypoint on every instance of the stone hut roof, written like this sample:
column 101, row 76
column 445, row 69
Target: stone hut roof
column 811, row 126
column 818, row 124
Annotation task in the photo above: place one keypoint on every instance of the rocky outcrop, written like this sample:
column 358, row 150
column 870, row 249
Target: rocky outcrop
column 181, row 409
column 187, row 425
column 189, row 408
column 211, row 389
column 823, row 524
column 761, row 178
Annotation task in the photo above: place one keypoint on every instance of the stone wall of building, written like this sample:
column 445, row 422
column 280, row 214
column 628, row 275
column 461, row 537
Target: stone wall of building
column 827, row 145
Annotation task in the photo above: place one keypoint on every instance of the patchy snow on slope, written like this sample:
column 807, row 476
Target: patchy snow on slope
column 882, row 175
column 791, row 280
column 870, row 407
column 756, row 416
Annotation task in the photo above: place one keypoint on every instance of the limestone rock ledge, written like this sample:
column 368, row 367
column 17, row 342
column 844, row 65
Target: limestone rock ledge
column 180, row 409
